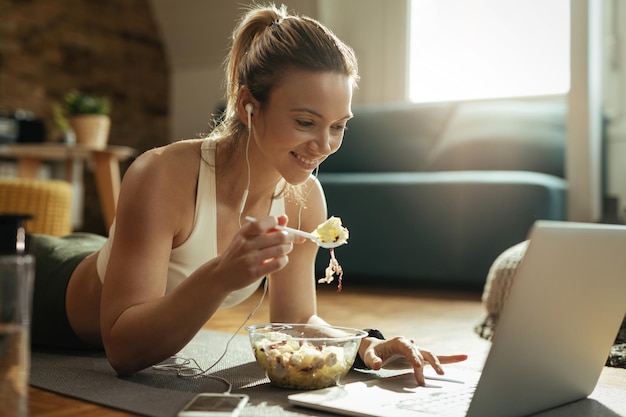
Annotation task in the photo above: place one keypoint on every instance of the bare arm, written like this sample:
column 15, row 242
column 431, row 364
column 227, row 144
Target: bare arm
column 292, row 290
column 140, row 324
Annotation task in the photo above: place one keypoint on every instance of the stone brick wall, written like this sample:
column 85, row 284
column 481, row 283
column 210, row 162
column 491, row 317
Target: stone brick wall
column 110, row 48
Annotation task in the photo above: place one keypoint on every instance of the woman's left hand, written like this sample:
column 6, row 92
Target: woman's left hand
column 378, row 353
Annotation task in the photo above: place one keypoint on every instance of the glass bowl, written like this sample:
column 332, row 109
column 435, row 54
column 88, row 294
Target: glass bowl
column 304, row 356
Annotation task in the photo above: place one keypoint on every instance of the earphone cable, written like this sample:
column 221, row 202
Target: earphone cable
column 181, row 364
column 245, row 192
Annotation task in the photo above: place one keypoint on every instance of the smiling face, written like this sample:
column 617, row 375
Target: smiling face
column 303, row 122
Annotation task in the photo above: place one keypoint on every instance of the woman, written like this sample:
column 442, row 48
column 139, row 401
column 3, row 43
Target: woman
column 180, row 247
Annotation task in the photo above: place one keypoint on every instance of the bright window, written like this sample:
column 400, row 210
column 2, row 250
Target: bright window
column 462, row 49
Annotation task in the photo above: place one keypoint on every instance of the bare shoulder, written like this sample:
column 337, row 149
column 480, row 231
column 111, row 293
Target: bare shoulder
column 155, row 171
column 174, row 156
column 161, row 182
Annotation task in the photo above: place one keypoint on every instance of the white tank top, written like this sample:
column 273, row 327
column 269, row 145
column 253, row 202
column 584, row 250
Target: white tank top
column 201, row 245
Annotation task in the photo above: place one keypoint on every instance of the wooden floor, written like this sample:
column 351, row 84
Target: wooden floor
column 443, row 321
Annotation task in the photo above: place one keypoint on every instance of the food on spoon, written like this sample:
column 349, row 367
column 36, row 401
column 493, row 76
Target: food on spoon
column 332, row 231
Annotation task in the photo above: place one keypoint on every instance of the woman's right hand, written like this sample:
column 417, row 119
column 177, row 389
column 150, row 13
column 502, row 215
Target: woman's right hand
column 258, row 249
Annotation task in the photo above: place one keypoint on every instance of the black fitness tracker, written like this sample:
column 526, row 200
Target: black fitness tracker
column 376, row 334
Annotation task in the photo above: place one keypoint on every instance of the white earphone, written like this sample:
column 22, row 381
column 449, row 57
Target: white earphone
column 249, row 110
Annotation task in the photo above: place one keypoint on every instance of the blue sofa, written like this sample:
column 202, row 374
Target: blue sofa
column 433, row 193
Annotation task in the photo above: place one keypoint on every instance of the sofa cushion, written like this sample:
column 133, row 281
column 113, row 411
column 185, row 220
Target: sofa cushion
column 523, row 135
column 389, row 138
column 436, row 226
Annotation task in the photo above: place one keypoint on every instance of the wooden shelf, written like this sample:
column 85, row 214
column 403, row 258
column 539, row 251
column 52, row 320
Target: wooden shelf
column 106, row 162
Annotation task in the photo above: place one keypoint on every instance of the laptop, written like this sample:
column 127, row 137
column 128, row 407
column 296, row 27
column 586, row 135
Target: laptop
column 554, row 335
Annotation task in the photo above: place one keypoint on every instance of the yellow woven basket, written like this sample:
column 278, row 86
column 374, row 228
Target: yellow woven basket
column 48, row 201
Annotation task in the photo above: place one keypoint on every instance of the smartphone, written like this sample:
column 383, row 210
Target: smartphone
column 214, row 405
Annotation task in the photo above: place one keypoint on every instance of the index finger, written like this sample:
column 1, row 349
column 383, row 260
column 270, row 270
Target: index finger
column 435, row 361
column 443, row 359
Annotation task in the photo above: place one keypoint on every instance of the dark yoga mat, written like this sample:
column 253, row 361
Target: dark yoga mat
column 157, row 393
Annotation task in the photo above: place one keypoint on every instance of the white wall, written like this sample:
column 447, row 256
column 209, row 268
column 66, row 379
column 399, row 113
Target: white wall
column 376, row 30
column 197, row 35
column 195, row 95
column 583, row 168
column 614, row 97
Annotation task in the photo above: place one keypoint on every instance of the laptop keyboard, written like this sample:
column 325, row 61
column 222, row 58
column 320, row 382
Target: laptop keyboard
column 441, row 402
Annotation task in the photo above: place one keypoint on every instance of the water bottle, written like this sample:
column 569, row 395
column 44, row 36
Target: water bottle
column 17, row 270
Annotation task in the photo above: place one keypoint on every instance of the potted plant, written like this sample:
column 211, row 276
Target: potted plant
column 89, row 118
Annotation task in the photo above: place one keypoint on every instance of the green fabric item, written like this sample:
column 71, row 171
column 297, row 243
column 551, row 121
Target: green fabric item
column 56, row 258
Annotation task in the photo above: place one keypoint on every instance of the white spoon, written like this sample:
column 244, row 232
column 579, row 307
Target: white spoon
column 325, row 245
